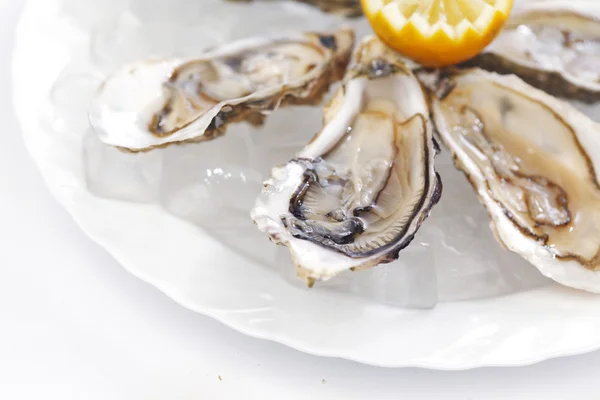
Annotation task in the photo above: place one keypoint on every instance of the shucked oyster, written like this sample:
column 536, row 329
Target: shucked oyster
column 533, row 161
column 155, row 103
column 357, row 193
column 553, row 45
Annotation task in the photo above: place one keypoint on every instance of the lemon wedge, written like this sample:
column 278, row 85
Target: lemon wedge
column 437, row 33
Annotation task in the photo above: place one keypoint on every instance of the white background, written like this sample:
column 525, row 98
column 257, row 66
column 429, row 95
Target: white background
column 75, row 325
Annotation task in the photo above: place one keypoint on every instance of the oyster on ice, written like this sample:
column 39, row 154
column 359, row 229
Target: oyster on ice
column 553, row 45
column 358, row 192
column 154, row 103
column 533, row 161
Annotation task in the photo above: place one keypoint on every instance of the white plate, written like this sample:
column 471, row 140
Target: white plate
column 178, row 218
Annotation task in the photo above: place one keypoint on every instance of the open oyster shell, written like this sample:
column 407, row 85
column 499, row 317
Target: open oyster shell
column 155, row 103
column 553, row 45
column 533, row 161
column 358, row 192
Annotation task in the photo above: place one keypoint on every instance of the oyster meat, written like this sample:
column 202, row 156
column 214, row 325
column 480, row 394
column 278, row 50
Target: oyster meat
column 553, row 45
column 533, row 161
column 154, row 103
column 358, row 192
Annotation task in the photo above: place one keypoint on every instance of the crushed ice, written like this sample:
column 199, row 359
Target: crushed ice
column 213, row 185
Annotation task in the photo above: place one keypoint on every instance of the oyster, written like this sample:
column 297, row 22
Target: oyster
column 155, row 103
column 358, row 192
column 346, row 8
column 553, row 45
column 533, row 160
